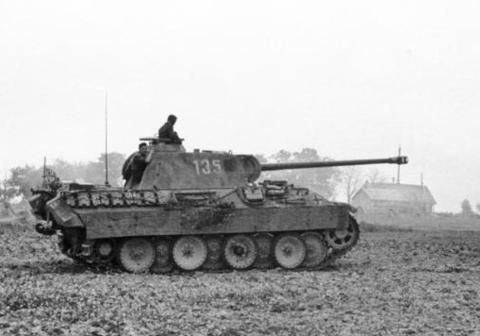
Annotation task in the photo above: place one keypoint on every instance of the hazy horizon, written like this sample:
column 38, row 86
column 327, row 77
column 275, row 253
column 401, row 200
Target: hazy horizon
column 350, row 79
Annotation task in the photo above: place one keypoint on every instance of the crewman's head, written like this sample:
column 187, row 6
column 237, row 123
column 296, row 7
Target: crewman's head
column 172, row 119
column 142, row 147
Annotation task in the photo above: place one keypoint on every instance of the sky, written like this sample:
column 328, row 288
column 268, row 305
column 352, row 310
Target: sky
column 352, row 79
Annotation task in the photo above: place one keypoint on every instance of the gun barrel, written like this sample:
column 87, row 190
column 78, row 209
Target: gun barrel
column 320, row 164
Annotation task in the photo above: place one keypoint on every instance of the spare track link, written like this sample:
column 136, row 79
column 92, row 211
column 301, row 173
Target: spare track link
column 112, row 199
column 137, row 198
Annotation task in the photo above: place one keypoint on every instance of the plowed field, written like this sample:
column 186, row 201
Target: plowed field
column 392, row 283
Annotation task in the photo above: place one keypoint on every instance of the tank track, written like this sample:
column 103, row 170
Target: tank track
column 151, row 198
column 334, row 255
column 93, row 260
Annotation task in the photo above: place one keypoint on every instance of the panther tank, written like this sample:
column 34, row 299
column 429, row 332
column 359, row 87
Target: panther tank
column 200, row 210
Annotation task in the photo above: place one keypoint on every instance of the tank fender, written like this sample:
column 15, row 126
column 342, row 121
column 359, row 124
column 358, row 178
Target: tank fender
column 37, row 201
column 352, row 208
column 63, row 214
column 348, row 206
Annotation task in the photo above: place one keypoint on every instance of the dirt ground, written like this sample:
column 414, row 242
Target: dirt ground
column 427, row 223
column 392, row 283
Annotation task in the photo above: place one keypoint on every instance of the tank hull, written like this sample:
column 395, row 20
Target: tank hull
column 89, row 221
column 135, row 221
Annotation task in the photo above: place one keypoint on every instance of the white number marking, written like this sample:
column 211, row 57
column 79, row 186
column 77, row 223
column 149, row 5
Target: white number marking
column 197, row 168
column 205, row 167
column 217, row 167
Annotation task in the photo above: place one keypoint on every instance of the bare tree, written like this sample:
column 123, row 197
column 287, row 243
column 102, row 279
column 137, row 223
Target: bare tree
column 375, row 176
column 466, row 208
column 6, row 191
column 351, row 181
column 282, row 156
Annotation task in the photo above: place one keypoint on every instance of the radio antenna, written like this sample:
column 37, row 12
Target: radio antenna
column 106, row 139
column 44, row 171
column 398, row 166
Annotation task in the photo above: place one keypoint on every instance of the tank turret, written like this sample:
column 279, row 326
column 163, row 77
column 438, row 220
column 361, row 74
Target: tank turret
column 171, row 167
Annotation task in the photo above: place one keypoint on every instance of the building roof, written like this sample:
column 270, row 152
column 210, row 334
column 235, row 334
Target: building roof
column 397, row 192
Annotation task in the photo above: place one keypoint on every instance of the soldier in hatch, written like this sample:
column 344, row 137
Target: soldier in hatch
column 167, row 133
column 135, row 165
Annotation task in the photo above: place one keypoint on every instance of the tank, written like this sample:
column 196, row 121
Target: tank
column 200, row 210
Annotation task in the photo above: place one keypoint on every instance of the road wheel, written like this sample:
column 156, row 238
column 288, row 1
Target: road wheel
column 163, row 256
column 104, row 251
column 289, row 250
column 136, row 254
column 189, row 252
column 214, row 256
column 343, row 239
column 317, row 249
column 264, row 250
column 240, row 251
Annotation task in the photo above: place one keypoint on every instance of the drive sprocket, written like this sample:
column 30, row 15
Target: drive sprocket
column 344, row 239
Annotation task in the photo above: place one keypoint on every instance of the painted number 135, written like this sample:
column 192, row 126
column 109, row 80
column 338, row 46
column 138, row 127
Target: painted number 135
column 206, row 167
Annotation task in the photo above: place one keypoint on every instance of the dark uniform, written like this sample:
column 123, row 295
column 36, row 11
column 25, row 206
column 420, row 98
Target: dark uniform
column 134, row 167
column 126, row 168
column 166, row 131
column 137, row 168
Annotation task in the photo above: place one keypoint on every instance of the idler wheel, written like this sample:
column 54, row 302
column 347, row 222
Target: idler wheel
column 289, row 250
column 317, row 249
column 163, row 256
column 264, row 250
column 240, row 251
column 136, row 254
column 189, row 252
column 214, row 255
column 342, row 239
column 104, row 251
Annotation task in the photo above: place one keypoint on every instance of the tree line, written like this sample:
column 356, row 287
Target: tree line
column 329, row 182
column 23, row 178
